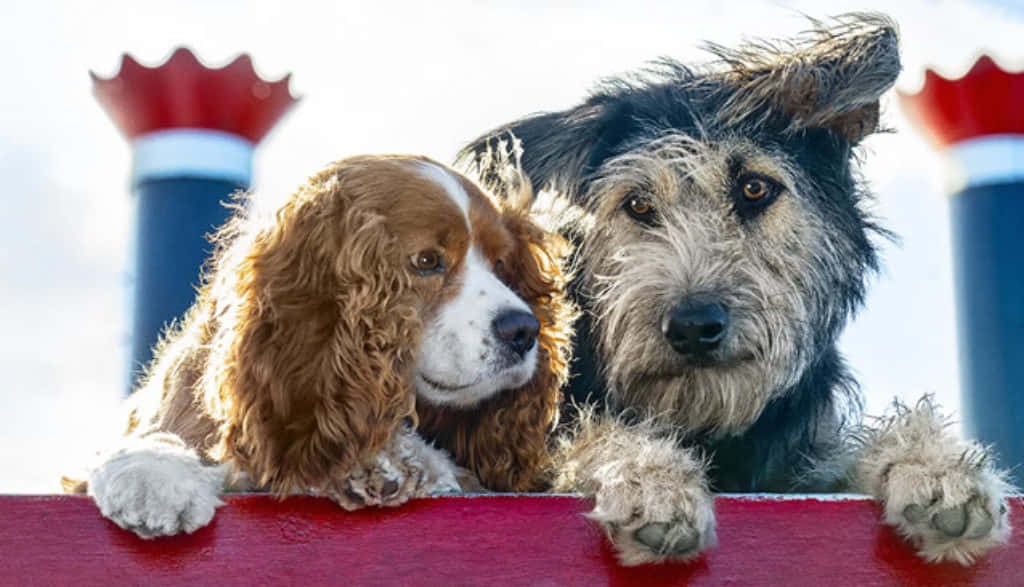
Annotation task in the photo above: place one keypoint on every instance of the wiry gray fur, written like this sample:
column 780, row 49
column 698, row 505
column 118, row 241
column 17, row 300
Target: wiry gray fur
column 774, row 279
column 773, row 406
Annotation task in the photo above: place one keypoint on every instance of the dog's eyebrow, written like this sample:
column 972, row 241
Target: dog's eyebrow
column 736, row 163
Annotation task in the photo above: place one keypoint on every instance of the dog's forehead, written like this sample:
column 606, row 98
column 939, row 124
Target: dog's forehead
column 416, row 207
column 443, row 186
column 483, row 219
column 677, row 162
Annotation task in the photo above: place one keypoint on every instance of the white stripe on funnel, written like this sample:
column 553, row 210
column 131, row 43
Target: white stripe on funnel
column 987, row 160
column 191, row 152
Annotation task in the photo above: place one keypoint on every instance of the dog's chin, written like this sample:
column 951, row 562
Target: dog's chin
column 719, row 396
column 439, row 391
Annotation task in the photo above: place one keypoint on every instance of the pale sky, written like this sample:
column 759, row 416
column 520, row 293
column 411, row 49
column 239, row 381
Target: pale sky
column 380, row 77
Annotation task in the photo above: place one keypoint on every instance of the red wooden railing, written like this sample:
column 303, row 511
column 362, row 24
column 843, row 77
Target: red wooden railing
column 492, row 540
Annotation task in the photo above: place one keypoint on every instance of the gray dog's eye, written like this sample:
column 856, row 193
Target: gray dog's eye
column 755, row 189
column 639, row 209
column 752, row 193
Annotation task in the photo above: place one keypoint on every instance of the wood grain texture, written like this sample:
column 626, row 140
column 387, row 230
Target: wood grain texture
column 493, row 540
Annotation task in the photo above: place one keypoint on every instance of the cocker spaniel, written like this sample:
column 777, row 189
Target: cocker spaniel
column 389, row 306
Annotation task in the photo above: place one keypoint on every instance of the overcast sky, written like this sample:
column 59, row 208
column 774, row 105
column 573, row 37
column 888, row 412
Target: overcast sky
column 380, row 77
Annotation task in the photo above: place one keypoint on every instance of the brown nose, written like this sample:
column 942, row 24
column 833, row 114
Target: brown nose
column 695, row 328
column 517, row 330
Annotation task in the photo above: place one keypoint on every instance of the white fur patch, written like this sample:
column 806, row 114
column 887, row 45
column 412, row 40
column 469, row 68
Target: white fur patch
column 451, row 186
column 157, row 487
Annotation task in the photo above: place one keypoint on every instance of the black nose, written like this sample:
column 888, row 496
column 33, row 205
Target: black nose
column 695, row 328
column 517, row 330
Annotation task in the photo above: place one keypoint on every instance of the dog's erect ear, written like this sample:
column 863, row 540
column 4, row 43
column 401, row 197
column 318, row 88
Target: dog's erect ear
column 560, row 150
column 832, row 77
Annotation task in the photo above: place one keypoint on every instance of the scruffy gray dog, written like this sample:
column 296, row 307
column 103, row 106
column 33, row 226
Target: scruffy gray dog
column 722, row 245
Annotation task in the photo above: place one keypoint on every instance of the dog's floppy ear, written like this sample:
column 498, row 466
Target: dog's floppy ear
column 560, row 150
column 832, row 77
column 312, row 350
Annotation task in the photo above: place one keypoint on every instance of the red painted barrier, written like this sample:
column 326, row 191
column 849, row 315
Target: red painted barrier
column 493, row 540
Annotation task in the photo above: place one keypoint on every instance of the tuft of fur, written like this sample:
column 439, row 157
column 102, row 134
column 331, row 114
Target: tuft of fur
column 831, row 76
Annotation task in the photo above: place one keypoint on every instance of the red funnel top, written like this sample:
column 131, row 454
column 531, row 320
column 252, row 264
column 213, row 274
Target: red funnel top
column 987, row 100
column 184, row 93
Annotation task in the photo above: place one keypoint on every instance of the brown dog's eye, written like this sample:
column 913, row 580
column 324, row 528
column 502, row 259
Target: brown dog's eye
column 499, row 265
column 427, row 262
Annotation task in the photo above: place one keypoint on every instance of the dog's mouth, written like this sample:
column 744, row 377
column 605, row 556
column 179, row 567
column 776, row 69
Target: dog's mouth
column 445, row 386
column 687, row 365
column 712, row 362
column 464, row 395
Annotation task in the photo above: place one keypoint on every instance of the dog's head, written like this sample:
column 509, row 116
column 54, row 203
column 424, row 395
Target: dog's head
column 380, row 277
column 723, row 240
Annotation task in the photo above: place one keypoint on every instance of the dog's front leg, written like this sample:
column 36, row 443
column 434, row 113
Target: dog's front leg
column 650, row 495
column 156, row 486
column 939, row 491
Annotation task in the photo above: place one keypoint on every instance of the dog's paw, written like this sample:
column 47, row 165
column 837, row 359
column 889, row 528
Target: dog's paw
column 655, row 513
column 407, row 468
column 955, row 512
column 156, row 490
column 942, row 493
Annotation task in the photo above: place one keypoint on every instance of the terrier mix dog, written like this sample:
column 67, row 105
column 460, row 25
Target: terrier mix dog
column 722, row 244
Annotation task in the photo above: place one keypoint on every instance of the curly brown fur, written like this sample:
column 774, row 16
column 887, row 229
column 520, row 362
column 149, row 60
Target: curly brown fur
column 311, row 380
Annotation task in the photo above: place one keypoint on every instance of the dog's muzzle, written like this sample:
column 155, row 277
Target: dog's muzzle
column 695, row 328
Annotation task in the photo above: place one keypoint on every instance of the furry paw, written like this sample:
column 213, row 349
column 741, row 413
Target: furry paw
column 951, row 513
column 407, row 468
column 654, row 512
column 941, row 493
column 156, row 489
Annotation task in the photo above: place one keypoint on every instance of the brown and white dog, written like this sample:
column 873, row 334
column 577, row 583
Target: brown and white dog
column 388, row 305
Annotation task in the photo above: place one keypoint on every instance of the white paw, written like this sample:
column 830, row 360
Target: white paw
column 407, row 468
column 653, row 514
column 955, row 512
column 156, row 489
